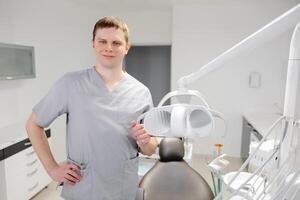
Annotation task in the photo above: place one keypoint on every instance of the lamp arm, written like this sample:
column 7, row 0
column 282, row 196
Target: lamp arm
column 281, row 24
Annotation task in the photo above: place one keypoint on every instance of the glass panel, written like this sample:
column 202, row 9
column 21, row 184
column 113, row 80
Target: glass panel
column 16, row 61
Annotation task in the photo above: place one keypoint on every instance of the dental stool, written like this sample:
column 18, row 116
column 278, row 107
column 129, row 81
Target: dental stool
column 171, row 178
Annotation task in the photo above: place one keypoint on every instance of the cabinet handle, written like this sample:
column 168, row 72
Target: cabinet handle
column 33, row 187
column 28, row 144
column 32, row 173
column 30, row 153
column 31, row 163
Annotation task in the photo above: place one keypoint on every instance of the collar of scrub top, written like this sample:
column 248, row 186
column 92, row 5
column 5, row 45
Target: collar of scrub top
column 181, row 119
column 99, row 81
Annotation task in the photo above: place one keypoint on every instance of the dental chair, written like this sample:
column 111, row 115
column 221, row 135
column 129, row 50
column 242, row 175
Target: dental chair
column 171, row 178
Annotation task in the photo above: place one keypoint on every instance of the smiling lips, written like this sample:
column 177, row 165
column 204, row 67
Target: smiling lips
column 108, row 56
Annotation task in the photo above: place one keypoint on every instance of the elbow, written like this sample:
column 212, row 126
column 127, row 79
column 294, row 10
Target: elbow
column 151, row 152
column 30, row 125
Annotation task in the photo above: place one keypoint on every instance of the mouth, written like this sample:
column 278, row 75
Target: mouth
column 108, row 56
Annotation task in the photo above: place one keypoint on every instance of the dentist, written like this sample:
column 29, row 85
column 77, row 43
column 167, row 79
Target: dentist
column 103, row 138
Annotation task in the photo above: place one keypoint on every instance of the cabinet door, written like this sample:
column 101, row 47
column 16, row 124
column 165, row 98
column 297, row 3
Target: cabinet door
column 24, row 175
column 2, row 181
column 15, row 177
column 245, row 139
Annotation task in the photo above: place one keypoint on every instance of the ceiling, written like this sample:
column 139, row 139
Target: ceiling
column 159, row 5
column 132, row 5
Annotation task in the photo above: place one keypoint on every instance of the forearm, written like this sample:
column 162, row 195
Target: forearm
column 40, row 143
column 149, row 148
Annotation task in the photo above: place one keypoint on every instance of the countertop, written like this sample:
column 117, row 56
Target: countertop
column 12, row 134
column 261, row 122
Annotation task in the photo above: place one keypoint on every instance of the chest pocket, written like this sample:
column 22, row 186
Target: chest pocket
column 125, row 116
column 128, row 110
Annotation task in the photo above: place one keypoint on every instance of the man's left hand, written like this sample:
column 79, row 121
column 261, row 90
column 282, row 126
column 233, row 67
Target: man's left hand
column 139, row 133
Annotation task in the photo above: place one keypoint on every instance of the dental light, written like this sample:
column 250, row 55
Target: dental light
column 179, row 120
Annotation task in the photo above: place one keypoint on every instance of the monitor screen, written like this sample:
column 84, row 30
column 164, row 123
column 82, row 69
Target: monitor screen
column 16, row 62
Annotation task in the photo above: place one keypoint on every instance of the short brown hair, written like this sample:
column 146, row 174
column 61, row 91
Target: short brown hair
column 109, row 22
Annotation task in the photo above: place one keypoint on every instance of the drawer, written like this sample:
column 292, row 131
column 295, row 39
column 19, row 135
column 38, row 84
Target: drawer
column 29, row 152
column 24, row 175
column 15, row 164
column 24, row 180
column 32, row 173
column 43, row 175
column 19, row 165
column 32, row 189
column 31, row 160
column 37, row 180
column 31, row 163
column 32, row 181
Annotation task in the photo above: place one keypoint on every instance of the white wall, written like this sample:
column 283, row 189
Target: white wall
column 203, row 31
column 6, row 89
column 148, row 27
column 61, row 33
column 5, row 21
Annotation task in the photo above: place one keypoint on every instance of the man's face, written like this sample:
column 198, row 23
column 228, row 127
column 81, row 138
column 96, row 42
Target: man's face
column 110, row 47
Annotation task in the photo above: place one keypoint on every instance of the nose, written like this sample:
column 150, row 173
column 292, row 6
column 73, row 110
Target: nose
column 108, row 47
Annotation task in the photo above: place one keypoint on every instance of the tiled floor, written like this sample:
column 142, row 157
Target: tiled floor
column 198, row 162
column 52, row 192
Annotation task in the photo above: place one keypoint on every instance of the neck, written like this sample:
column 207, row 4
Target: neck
column 110, row 75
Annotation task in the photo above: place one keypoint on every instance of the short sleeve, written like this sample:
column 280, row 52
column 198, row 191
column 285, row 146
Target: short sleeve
column 149, row 101
column 54, row 104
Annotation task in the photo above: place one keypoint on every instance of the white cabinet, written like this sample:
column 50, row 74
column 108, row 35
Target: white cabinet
column 255, row 127
column 23, row 172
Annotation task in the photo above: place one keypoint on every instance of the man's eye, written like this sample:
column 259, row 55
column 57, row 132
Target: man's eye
column 117, row 43
column 102, row 42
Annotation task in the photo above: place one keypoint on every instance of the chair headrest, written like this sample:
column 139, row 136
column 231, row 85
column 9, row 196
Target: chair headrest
column 171, row 149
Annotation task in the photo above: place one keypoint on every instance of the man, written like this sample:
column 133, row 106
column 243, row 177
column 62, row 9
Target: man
column 103, row 139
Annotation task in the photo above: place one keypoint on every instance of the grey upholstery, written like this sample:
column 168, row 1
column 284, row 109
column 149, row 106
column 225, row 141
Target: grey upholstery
column 171, row 178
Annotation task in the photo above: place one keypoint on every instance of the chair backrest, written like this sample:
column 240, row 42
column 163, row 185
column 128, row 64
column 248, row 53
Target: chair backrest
column 172, row 178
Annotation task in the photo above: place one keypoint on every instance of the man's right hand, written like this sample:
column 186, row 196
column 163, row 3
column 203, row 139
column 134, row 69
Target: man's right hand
column 68, row 173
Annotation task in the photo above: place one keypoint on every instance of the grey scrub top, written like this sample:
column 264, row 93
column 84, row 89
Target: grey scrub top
column 98, row 132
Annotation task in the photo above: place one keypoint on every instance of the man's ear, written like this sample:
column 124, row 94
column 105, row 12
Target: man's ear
column 93, row 44
column 128, row 46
